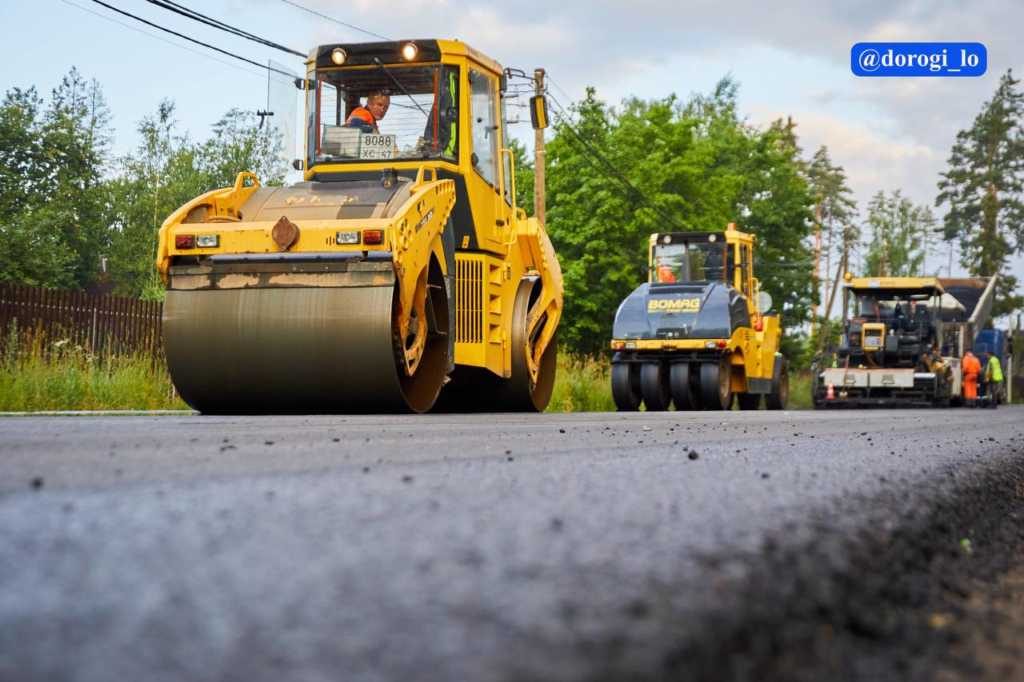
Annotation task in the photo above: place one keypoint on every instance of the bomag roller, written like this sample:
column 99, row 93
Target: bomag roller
column 698, row 333
column 398, row 276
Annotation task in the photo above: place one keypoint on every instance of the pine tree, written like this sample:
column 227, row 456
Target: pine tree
column 835, row 211
column 983, row 188
column 899, row 236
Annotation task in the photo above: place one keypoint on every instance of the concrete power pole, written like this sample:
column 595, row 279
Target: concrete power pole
column 538, row 155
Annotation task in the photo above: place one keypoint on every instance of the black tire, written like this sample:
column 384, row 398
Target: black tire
column 681, row 383
column 749, row 401
column 716, row 385
column 779, row 396
column 626, row 386
column 654, row 386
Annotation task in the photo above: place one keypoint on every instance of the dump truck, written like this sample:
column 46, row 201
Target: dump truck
column 399, row 275
column 902, row 341
column 699, row 332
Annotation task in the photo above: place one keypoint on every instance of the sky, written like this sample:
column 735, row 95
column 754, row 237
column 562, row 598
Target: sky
column 790, row 59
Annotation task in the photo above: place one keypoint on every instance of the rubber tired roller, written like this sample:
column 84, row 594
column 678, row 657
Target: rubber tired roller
column 699, row 333
column 398, row 276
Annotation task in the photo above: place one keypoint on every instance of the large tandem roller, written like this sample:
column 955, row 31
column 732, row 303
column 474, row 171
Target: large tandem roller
column 400, row 271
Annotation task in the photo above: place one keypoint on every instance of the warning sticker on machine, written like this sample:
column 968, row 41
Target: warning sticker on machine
column 673, row 305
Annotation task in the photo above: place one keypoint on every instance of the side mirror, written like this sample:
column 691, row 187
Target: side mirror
column 298, row 164
column 764, row 301
column 503, row 83
column 539, row 112
column 304, row 84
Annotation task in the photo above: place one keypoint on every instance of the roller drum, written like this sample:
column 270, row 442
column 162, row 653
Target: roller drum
column 293, row 349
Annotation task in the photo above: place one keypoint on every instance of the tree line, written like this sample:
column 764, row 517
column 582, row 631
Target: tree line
column 72, row 214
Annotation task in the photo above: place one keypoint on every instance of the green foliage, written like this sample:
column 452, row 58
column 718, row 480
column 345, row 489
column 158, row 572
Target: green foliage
column 900, row 232
column 983, row 188
column 614, row 177
column 53, row 199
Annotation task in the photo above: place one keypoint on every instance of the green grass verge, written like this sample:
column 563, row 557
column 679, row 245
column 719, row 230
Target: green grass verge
column 71, row 379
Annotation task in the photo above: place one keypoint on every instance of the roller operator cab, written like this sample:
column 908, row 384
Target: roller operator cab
column 699, row 332
column 398, row 276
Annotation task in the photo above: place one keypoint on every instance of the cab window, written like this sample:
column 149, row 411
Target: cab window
column 482, row 108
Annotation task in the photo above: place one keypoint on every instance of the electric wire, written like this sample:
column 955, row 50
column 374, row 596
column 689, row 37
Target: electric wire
column 192, row 40
column 610, row 170
column 184, row 11
column 336, row 21
column 154, row 36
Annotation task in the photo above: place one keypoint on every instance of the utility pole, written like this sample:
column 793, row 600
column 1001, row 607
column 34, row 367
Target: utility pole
column 538, row 155
column 817, row 264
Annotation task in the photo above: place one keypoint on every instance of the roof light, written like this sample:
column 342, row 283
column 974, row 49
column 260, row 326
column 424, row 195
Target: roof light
column 409, row 51
column 338, row 56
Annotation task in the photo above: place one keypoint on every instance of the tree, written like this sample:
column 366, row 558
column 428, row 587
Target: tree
column 53, row 201
column 616, row 176
column 983, row 189
column 835, row 212
column 899, row 236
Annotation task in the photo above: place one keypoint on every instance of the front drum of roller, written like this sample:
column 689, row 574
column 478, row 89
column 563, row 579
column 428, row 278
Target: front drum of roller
column 294, row 350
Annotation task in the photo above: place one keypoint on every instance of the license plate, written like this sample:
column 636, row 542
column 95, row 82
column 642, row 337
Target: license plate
column 372, row 146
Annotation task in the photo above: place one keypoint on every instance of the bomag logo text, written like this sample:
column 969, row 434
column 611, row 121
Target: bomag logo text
column 673, row 305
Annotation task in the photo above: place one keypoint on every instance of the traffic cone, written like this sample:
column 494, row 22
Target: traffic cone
column 830, row 392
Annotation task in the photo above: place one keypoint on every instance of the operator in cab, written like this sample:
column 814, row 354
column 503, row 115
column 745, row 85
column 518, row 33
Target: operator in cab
column 366, row 117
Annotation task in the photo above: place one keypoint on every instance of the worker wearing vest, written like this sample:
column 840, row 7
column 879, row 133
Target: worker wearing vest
column 993, row 378
column 366, row 118
column 972, row 368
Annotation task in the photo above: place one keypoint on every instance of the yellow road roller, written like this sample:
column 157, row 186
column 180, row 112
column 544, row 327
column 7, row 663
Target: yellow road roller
column 398, row 276
column 699, row 333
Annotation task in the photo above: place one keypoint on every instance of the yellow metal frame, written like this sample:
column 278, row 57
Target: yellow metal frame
column 511, row 245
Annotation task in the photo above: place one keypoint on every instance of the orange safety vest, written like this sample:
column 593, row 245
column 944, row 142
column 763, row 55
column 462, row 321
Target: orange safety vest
column 665, row 274
column 363, row 114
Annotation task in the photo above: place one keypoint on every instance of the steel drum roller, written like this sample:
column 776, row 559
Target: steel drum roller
column 293, row 349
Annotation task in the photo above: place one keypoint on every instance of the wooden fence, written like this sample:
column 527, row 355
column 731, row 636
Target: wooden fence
column 100, row 324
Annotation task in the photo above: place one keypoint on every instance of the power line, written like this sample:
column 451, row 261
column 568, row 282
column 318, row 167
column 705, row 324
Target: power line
column 192, row 40
column 184, row 11
column 162, row 39
column 611, row 171
column 336, row 21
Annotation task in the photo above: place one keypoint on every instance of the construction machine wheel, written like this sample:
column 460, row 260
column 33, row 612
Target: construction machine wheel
column 307, row 349
column 681, row 381
column 654, row 386
column 779, row 396
column 528, row 389
column 626, row 386
column 749, row 401
column 716, row 385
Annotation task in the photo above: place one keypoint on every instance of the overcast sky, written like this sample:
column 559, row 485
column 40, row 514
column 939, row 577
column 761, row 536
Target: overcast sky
column 888, row 133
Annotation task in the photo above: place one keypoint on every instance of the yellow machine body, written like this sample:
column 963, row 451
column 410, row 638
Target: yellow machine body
column 698, row 333
column 444, row 292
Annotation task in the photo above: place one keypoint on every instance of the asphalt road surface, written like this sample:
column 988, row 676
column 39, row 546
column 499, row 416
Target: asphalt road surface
column 744, row 545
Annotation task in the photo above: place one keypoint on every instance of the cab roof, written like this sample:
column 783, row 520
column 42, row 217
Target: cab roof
column 896, row 285
column 390, row 52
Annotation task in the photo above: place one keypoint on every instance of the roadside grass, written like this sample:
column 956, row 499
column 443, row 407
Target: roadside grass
column 582, row 385
column 36, row 375
column 800, row 385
